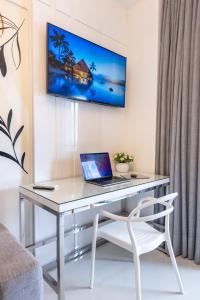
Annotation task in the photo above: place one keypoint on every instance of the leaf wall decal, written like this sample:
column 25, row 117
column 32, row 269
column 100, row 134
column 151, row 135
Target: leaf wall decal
column 9, row 119
column 22, row 159
column 19, row 51
column 2, row 25
column 4, row 154
column 8, row 27
column 16, row 60
column 12, row 51
column 3, row 66
column 18, row 134
column 5, row 24
column 4, row 131
column 1, row 123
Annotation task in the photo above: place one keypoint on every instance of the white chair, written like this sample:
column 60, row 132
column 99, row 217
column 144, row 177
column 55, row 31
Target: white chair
column 135, row 235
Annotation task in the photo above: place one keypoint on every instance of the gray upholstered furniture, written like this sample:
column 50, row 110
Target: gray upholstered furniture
column 20, row 273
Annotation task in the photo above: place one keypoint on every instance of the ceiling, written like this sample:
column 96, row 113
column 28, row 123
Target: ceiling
column 127, row 3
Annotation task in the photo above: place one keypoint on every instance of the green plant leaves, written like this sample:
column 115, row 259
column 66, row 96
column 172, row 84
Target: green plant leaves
column 122, row 157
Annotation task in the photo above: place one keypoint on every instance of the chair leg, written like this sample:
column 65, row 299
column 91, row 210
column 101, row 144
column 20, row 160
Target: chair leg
column 173, row 260
column 136, row 261
column 93, row 254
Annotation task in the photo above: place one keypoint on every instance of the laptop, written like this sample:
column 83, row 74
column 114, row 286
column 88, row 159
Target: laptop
column 97, row 169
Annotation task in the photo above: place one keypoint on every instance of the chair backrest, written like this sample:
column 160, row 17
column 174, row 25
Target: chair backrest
column 166, row 201
column 134, row 216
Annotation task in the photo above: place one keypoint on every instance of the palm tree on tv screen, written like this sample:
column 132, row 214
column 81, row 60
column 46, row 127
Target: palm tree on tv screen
column 93, row 67
column 59, row 42
column 69, row 58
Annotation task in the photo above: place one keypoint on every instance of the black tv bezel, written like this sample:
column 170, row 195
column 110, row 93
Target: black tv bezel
column 78, row 99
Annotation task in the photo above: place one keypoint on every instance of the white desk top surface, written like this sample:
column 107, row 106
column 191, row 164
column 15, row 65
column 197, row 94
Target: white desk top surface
column 75, row 188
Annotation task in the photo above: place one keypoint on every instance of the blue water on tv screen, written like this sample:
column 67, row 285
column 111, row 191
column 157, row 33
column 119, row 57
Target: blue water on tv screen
column 82, row 70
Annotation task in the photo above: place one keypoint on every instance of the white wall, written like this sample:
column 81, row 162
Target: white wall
column 142, row 44
column 142, row 82
column 72, row 127
column 15, row 93
column 61, row 128
column 64, row 128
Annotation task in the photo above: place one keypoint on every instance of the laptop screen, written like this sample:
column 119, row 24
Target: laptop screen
column 96, row 165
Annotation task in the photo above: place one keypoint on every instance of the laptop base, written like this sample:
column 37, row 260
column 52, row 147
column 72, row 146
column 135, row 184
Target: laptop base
column 108, row 182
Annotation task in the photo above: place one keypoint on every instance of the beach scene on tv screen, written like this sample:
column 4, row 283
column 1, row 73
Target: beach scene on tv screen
column 82, row 70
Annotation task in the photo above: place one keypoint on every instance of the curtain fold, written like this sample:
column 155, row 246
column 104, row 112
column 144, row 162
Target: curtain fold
column 178, row 119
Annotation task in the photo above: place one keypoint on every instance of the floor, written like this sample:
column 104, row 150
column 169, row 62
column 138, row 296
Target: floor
column 114, row 277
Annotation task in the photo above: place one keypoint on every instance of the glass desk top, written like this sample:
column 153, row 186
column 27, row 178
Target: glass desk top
column 75, row 188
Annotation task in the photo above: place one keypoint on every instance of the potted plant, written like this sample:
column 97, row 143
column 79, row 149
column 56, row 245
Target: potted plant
column 122, row 160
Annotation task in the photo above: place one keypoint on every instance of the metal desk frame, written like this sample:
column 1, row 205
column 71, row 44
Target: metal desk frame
column 72, row 207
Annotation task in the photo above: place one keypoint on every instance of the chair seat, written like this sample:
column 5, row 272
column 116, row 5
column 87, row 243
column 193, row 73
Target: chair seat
column 147, row 238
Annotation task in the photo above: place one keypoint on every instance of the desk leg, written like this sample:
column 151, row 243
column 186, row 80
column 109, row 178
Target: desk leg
column 22, row 220
column 60, row 257
column 33, row 227
column 123, row 205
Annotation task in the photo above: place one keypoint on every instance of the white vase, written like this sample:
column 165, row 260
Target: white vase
column 122, row 167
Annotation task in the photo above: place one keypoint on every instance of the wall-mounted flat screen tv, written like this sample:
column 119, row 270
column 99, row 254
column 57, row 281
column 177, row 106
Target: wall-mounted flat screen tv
column 81, row 70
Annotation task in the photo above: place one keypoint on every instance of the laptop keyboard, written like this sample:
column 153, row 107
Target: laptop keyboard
column 111, row 181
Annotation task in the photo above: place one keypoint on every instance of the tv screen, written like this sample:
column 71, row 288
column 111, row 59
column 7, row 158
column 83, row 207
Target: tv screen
column 81, row 70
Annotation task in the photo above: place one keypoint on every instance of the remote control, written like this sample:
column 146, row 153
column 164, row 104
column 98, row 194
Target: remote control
column 44, row 187
column 139, row 176
column 133, row 175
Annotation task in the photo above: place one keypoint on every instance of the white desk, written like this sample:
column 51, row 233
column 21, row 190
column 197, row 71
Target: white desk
column 74, row 195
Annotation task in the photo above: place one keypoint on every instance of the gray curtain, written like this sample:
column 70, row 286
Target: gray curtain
column 178, row 119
